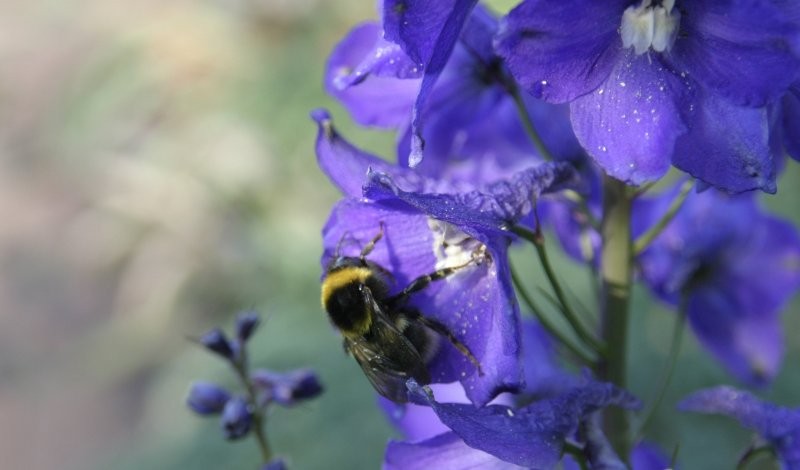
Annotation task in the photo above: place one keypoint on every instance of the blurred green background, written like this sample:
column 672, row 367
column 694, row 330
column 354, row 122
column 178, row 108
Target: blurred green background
column 158, row 175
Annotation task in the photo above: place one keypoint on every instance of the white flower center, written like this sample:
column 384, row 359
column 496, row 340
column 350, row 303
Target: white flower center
column 452, row 247
column 649, row 25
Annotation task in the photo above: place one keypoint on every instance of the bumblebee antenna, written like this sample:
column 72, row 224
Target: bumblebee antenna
column 371, row 245
column 337, row 253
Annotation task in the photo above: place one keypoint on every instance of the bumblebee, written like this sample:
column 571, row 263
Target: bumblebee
column 391, row 341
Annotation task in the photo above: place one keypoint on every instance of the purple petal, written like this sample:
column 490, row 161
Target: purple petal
column 561, row 50
column 418, row 422
column 543, row 374
column 492, row 209
column 485, row 318
column 427, row 32
column 630, row 123
column 728, row 147
column 646, row 456
column 739, row 268
column 347, row 166
column 778, row 425
column 443, row 451
column 425, row 29
column 790, row 115
column 532, row 436
column 600, row 455
column 741, row 49
column 372, row 78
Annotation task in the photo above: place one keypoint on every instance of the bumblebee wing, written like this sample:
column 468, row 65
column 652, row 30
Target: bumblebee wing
column 388, row 359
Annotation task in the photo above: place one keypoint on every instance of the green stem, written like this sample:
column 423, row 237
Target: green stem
column 545, row 322
column 583, row 333
column 530, row 128
column 752, row 454
column 616, row 268
column 258, row 414
column 577, row 454
column 668, row 370
column 644, row 241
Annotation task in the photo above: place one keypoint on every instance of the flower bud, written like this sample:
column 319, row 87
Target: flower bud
column 216, row 341
column 275, row 464
column 288, row 388
column 206, row 398
column 246, row 322
column 237, row 417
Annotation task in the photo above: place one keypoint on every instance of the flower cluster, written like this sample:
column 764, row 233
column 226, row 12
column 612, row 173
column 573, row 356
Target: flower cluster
column 243, row 414
column 563, row 115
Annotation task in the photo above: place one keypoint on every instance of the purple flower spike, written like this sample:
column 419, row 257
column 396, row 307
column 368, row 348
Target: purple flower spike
column 777, row 425
column 206, row 398
column 738, row 267
column 287, row 389
column 237, row 417
column 246, row 323
column 532, row 436
column 652, row 84
column 216, row 341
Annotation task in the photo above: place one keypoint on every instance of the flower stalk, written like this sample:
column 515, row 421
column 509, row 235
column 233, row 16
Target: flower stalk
column 258, row 413
column 617, row 273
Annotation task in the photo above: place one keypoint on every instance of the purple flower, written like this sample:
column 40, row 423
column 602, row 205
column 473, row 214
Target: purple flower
column 472, row 128
column 532, row 436
column 779, row 426
column 655, row 83
column 206, row 398
column 287, row 389
column 430, row 444
column 237, row 417
column 429, row 224
column 736, row 266
column 427, row 32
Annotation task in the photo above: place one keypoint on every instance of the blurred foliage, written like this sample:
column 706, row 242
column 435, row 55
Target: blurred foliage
column 157, row 175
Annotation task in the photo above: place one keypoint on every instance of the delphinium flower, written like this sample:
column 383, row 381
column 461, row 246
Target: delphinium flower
column 245, row 414
column 473, row 129
column 654, row 83
column 778, row 426
column 428, row 224
column 532, row 436
column 733, row 267
column 430, row 444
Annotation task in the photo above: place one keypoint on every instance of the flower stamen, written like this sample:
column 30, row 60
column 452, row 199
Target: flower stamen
column 650, row 25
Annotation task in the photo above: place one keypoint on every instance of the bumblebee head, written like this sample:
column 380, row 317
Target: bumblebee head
column 351, row 292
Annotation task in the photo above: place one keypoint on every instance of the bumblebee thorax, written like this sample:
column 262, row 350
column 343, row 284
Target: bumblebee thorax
column 347, row 295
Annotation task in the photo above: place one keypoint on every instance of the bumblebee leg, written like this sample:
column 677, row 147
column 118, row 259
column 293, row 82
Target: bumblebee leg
column 422, row 282
column 440, row 328
column 370, row 246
